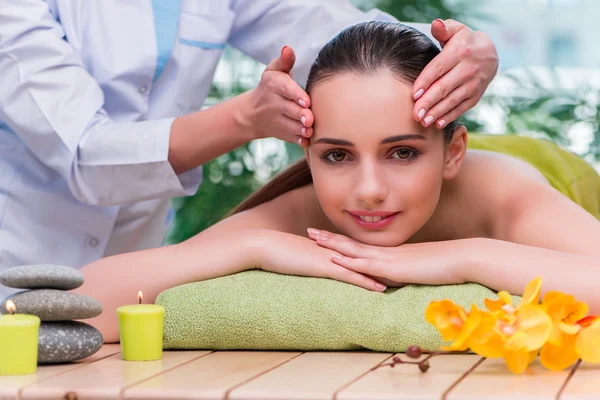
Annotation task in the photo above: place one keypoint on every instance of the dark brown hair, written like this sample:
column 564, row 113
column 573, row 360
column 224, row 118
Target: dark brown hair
column 367, row 48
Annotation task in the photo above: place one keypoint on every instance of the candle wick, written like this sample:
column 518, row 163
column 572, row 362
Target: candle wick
column 139, row 300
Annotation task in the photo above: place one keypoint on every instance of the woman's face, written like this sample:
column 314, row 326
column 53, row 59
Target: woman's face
column 377, row 173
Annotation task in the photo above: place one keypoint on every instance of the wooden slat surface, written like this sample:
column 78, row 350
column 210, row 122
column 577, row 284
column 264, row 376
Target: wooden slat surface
column 247, row 375
column 492, row 380
column 209, row 377
column 406, row 381
column 10, row 385
column 104, row 379
column 311, row 376
column 585, row 383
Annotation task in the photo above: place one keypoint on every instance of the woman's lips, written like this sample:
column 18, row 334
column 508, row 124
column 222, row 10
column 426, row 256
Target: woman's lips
column 383, row 217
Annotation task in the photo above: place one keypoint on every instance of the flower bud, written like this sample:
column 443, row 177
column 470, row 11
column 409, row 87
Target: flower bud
column 414, row 351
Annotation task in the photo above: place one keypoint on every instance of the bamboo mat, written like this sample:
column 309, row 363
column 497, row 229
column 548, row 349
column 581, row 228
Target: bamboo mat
column 248, row 375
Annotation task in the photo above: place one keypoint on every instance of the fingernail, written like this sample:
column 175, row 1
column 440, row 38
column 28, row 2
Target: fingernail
column 299, row 140
column 419, row 93
column 312, row 231
column 302, row 103
column 322, row 238
column 337, row 257
column 428, row 120
column 303, row 120
column 441, row 20
column 380, row 286
column 283, row 48
column 421, row 113
column 303, row 131
column 442, row 123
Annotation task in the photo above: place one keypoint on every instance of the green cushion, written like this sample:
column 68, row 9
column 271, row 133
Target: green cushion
column 261, row 310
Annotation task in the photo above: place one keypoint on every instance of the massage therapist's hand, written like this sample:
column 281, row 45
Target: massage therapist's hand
column 455, row 80
column 279, row 107
column 422, row 263
column 290, row 254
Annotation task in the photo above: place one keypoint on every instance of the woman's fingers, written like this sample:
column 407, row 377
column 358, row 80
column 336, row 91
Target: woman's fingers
column 367, row 266
column 347, row 275
column 343, row 244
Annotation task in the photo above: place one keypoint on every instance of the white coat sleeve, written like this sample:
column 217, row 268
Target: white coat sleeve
column 48, row 98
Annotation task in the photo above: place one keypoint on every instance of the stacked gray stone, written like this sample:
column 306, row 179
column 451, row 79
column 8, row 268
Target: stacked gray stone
column 61, row 338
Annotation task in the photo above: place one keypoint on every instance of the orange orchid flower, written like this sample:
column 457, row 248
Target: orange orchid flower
column 565, row 311
column 447, row 317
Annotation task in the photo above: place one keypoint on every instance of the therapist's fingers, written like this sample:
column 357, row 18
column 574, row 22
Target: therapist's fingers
column 298, row 113
column 443, row 31
column 438, row 67
column 428, row 106
column 286, row 87
column 285, row 61
column 291, row 129
column 443, row 62
column 456, row 112
column 302, row 142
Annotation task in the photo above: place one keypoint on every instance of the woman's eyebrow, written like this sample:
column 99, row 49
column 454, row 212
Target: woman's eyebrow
column 398, row 138
column 391, row 139
column 337, row 142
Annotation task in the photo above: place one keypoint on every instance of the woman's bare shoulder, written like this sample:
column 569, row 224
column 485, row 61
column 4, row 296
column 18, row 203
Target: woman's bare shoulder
column 523, row 208
column 488, row 178
column 473, row 204
column 480, row 164
column 491, row 184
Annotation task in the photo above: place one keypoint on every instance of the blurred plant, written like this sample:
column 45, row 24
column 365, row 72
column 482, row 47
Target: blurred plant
column 539, row 105
column 427, row 10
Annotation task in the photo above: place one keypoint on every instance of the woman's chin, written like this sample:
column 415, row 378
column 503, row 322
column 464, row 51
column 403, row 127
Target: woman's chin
column 381, row 238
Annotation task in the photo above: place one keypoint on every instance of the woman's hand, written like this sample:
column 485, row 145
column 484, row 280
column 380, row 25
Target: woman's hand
column 434, row 263
column 279, row 107
column 290, row 254
column 455, row 80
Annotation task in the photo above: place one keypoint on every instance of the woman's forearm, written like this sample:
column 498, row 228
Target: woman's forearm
column 116, row 280
column 502, row 265
column 207, row 134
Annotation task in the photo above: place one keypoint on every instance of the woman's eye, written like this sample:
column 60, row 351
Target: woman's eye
column 336, row 156
column 404, row 154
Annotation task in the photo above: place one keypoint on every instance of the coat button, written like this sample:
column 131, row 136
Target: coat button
column 94, row 242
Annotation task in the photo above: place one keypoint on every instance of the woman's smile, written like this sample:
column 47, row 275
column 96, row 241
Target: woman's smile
column 373, row 219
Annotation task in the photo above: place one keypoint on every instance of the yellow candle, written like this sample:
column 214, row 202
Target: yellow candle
column 141, row 331
column 18, row 342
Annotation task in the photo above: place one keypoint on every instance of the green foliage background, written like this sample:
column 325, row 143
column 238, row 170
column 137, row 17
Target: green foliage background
column 535, row 111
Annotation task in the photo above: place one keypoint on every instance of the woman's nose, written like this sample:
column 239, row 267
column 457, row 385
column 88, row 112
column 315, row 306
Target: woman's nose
column 371, row 188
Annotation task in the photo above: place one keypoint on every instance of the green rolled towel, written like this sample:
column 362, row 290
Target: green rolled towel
column 258, row 310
